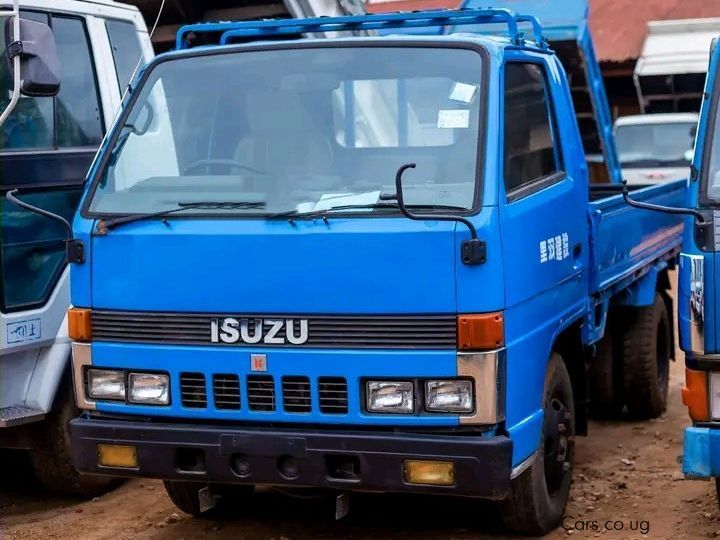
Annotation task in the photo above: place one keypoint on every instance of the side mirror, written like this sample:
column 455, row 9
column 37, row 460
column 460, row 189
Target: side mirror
column 39, row 64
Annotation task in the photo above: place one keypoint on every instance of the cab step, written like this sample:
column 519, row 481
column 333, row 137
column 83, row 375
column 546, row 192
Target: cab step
column 16, row 415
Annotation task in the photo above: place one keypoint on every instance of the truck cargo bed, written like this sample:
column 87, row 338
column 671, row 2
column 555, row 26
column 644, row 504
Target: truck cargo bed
column 626, row 240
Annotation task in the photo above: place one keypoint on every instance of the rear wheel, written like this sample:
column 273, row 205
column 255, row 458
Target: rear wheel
column 646, row 359
column 52, row 458
column 186, row 496
column 538, row 496
column 605, row 378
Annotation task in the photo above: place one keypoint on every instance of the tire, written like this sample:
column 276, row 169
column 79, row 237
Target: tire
column 646, row 359
column 185, row 496
column 717, row 490
column 539, row 495
column 605, row 378
column 51, row 459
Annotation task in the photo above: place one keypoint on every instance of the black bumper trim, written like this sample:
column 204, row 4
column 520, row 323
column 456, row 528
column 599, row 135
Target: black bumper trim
column 482, row 464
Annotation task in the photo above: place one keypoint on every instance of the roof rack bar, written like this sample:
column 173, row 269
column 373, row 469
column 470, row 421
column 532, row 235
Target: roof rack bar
column 413, row 19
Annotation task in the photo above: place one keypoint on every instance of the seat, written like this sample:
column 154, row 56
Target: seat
column 284, row 138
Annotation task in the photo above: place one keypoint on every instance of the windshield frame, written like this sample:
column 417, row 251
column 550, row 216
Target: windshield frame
column 141, row 79
column 704, row 200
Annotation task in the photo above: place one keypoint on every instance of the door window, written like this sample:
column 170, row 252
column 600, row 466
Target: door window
column 530, row 147
column 32, row 248
column 126, row 50
column 71, row 119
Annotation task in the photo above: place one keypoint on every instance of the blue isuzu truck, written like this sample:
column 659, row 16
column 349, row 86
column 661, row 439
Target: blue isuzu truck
column 392, row 263
column 698, row 284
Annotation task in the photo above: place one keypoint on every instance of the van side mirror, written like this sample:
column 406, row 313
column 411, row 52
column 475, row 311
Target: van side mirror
column 39, row 63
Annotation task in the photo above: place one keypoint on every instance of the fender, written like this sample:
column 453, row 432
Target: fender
column 642, row 292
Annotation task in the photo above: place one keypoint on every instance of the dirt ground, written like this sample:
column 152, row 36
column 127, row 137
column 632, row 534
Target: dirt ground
column 627, row 479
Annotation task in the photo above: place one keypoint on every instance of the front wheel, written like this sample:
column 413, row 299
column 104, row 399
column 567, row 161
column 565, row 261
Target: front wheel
column 186, row 496
column 52, row 458
column 538, row 496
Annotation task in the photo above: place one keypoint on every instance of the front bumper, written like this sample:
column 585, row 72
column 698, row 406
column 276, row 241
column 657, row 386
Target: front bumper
column 347, row 460
column 701, row 452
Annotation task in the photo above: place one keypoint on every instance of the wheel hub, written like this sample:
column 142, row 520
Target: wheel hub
column 557, row 443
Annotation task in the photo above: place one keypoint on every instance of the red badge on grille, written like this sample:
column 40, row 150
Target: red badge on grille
column 258, row 362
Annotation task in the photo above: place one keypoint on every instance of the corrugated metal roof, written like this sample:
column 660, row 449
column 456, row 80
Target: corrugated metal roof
column 619, row 27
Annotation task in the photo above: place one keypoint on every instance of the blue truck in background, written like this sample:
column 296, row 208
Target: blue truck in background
column 396, row 263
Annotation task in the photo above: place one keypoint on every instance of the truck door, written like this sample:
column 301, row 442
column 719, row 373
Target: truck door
column 698, row 280
column 46, row 147
column 543, row 221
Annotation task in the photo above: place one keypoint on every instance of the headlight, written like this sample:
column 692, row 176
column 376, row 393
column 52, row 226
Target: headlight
column 449, row 396
column 105, row 384
column 390, row 397
column 714, row 395
column 148, row 388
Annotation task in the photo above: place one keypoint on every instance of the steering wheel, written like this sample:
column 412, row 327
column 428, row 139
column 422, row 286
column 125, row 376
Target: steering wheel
column 218, row 161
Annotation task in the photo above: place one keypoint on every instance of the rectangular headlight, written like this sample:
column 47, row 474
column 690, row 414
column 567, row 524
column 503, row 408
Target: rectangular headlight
column 390, row 397
column 714, row 396
column 449, row 396
column 105, row 384
column 149, row 388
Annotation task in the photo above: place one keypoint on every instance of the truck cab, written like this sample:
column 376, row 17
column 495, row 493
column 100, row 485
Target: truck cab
column 361, row 263
column 698, row 300
column 46, row 147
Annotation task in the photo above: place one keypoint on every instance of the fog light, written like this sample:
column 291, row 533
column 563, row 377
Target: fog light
column 105, row 384
column 449, row 396
column 149, row 388
column 117, row 455
column 435, row 473
column 390, row 397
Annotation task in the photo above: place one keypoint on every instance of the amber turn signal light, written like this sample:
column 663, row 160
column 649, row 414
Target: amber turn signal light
column 695, row 394
column 478, row 332
column 79, row 324
column 431, row 473
column 117, row 455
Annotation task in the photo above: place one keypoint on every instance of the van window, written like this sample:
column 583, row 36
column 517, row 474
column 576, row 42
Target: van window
column 530, row 152
column 71, row 119
column 126, row 50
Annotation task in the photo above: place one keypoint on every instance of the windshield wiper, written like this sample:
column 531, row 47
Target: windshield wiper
column 327, row 212
column 106, row 225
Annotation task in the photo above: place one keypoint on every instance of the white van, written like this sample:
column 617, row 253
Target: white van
column 46, row 147
column 655, row 148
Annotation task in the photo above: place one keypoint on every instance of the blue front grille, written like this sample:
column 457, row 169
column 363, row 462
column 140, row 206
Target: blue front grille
column 296, row 393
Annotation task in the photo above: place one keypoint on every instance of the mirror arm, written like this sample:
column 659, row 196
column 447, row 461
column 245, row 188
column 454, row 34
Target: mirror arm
column 699, row 218
column 473, row 251
column 74, row 249
column 16, row 65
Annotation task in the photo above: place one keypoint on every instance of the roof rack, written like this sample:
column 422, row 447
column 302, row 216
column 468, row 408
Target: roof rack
column 411, row 19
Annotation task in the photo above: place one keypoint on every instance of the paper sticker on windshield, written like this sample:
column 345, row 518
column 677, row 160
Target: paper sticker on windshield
column 462, row 92
column 453, row 118
column 331, row 200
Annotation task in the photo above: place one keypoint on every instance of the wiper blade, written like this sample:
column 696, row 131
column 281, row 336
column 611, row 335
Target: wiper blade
column 199, row 205
column 325, row 213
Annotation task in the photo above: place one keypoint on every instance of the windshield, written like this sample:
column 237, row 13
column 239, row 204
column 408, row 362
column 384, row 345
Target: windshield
column 298, row 129
column 656, row 145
